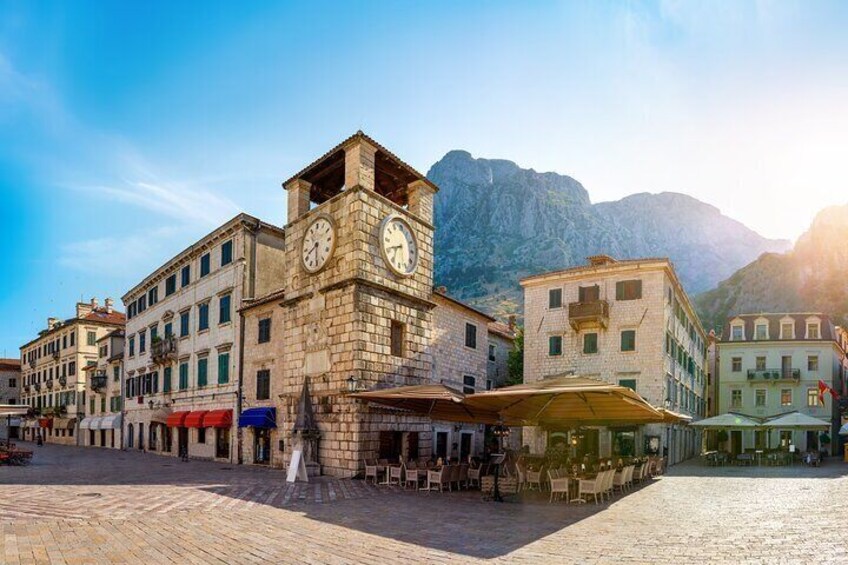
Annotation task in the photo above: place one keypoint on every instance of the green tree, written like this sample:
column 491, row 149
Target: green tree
column 515, row 361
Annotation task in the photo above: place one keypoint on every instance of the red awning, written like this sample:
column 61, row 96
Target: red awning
column 218, row 419
column 195, row 419
column 45, row 422
column 176, row 419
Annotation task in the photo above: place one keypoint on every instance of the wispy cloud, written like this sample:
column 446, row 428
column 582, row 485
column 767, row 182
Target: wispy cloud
column 115, row 256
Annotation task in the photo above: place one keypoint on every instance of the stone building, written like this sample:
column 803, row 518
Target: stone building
column 501, row 344
column 357, row 311
column 10, row 393
column 771, row 364
column 53, row 370
column 102, row 425
column 627, row 322
column 183, row 336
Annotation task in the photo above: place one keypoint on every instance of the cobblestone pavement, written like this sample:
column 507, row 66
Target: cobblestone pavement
column 80, row 506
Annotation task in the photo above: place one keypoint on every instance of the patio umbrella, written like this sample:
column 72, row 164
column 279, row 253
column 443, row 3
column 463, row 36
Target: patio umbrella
column 9, row 410
column 670, row 417
column 728, row 421
column 436, row 401
column 565, row 401
column 843, row 431
column 798, row 421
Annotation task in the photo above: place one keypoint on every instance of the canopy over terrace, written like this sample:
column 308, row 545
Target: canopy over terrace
column 557, row 401
column 798, row 421
column 9, row 410
column 728, row 421
column 436, row 401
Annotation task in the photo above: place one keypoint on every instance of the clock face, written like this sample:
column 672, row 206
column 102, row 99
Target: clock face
column 319, row 242
column 400, row 249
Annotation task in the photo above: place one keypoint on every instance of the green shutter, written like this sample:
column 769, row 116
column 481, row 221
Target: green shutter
column 223, row 368
column 202, row 365
column 183, row 376
column 166, row 380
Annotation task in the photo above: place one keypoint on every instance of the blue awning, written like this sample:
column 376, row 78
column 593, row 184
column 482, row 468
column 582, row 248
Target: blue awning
column 258, row 418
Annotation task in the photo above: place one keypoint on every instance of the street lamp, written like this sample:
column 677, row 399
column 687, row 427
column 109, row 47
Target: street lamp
column 499, row 431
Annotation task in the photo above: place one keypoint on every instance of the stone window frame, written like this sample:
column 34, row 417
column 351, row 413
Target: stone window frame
column 472, row 335
column 813, row 363
column 812, row 322
column 736, row 364
column 734, row 326
column 621, row 340
column 757, row 395
column 813, row 398
column 734, row 394
column 597, row 344
column 786, row 321
column 783, row 401
column 761, row 323
column 757, row 365
column 551, row 342
column 555, row 304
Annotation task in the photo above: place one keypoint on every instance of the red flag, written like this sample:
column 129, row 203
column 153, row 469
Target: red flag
column 822, row 389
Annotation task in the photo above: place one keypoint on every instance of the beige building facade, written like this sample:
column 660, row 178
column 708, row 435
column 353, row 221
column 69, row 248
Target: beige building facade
column 53, row 370
column 628, row 322
column 183, row 336
column 771, row 364
column 102, row 424
column 10, row 393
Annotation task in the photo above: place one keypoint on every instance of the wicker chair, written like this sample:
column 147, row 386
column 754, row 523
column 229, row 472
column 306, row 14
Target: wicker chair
column 535, row 478
column 436, row 480
column 559, row 482
column 371, row 471
column 395, row 475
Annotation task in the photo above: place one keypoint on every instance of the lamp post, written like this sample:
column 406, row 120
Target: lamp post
column 500, row 431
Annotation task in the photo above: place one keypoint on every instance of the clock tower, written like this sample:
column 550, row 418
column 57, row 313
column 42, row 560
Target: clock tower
column 358, row 298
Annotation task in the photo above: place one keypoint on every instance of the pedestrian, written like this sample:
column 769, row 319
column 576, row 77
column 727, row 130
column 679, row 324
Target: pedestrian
column 39, row 441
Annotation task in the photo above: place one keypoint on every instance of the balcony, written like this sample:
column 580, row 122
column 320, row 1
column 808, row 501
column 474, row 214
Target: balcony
column 63, row 381
column 32, row 363
column 37, row 387
column 49, row 384
column 27, row 388
column 55, row 354
column 591, row 313
column 98, row 381
column 164, row 350
column 774, row 374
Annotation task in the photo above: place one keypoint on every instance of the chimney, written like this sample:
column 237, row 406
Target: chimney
column 84, row 309
column 51, row 323
column 511, row 321
column 109, row 304
column 94, row 303
column 600, row 260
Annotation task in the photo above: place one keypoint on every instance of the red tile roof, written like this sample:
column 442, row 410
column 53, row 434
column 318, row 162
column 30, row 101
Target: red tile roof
column 502, row 329
column 10, row 364
column 101, row 315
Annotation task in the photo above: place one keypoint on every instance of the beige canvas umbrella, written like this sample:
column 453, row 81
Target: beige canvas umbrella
column 670, row 417
column 797, row 421
column 728, row 421
column 566, row 401
column 436, row 401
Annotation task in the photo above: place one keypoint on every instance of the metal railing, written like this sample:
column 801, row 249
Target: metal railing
column 774, row 374
column 164, row 349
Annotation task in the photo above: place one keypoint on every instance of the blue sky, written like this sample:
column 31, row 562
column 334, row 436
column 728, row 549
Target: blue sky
column 127, row 130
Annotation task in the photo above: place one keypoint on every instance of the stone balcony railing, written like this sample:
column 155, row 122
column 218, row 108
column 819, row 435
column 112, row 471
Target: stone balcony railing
column 164, row 350
column 98, row 381
column 49, row 384
column 593, row 312
column 37, row 387
column 63, row 381
column 774, row 374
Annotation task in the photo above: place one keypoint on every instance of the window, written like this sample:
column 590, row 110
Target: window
column 787, row 330
column 555, row 345
column 629, row 383
column 263, row 384
column 227, row 253
column 265, row 330
column 786, row 397
column 204, row 265
column 154, row 333
column 492, row 356
column 555, row 298
column 202, row 368
column 471, row 336
column 201, row 432
column 761, row 363
column 12, row 384
column 202, row 317
column 761, row 331
column 91, row 338
column 628, row 340
column 813, row 397
column 185, row 276
column 224, row 309
column 628, row 290
column 153, row 295
column 736, row 398
column 116, row 373
column 64, row 342
column 489, row 384
column 142, row 303
column 166, row 379
column 737, row 333
column 590, row 343
column 72, row 368
column 468, row 384
column 169, row 329
column 131, row 346
column 736, row 364
column 171, row 285
column 223, row 368
column 588, row 293
column 184, row 322
column 813, row 363
column 813, row 331
column 142, row 341
column 396, row 338
column 183, row 376
column 760, row 397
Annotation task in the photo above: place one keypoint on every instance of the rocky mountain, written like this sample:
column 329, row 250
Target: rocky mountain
column 498, row 222
column 809, row 278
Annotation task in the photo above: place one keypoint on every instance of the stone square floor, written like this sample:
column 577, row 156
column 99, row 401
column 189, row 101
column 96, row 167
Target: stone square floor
column 87, row 505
